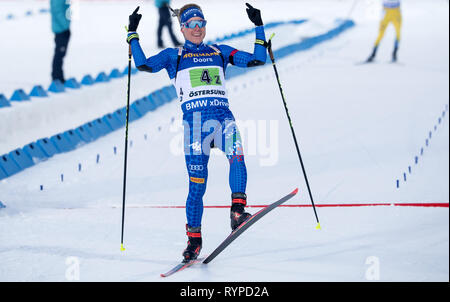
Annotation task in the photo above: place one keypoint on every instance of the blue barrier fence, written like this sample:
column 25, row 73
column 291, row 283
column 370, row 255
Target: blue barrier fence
column 35, row 152
column 27, row 13
column 4, row 101
column 45, row 148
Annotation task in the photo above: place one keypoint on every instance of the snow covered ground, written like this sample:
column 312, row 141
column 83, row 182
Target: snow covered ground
column 359, row 128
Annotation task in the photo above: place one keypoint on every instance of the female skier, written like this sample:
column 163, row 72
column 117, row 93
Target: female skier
column 197, row 71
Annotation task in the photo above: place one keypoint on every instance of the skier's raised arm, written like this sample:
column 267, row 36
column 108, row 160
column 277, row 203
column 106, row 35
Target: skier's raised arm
column 259, row 55
column 154, row 63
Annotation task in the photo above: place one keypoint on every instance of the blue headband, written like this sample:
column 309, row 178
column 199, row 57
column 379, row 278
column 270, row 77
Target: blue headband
column 190, row 13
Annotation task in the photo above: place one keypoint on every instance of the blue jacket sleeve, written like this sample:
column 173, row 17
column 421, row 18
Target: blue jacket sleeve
column 243, row 58
column 166, row 59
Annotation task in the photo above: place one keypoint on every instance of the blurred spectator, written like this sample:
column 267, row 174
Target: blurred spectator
column 165, row 20
column 60, row 13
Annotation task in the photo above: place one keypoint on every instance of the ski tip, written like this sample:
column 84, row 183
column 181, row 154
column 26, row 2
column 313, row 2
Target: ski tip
column 295, row 191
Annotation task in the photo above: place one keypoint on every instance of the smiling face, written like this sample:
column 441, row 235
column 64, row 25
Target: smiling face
column 195, row 35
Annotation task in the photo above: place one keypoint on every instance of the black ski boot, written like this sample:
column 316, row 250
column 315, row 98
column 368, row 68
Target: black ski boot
column 194, row 243
column 394, row 55
column 237, row 213
column 372, row 56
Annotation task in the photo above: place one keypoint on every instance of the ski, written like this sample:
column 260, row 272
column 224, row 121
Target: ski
column 182, row 266
column 254, row 218
column 236, row 233
column 363, row 63
column 378, row 62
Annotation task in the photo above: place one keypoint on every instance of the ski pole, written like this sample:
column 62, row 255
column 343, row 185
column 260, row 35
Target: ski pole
column 126, row 147
column 351, row 9
column 269, row 48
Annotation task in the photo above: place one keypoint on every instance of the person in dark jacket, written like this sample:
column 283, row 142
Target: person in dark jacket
column 60, row 14
column 165, row 21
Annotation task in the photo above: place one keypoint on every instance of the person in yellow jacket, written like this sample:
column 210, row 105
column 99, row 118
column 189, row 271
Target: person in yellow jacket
column 392, row 14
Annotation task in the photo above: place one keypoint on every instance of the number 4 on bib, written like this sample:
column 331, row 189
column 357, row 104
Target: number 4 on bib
column 204, row 77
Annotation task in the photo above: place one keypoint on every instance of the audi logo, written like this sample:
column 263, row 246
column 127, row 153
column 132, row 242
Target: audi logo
column 196, row 167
